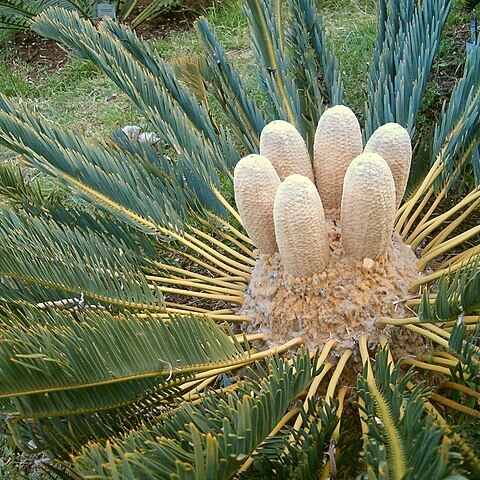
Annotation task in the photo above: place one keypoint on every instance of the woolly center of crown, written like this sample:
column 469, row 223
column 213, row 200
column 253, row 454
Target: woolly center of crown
column 342, row 302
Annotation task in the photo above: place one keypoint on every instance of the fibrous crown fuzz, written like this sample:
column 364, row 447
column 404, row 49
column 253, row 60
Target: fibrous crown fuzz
column 255, row 184
column 283, row 145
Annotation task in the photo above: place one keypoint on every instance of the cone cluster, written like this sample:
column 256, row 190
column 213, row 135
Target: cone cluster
column 282, row 195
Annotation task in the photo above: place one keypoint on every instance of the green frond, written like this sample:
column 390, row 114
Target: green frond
column 229, row 91
column 208, row 440
column 301, row 457
column 314, row 66
column 455, row 140
column 160, row 196
column 16, row 189
column 408, row 37
column 90, row 349
column 17, row 14
column 283, row 97
column 42, row 261
column 465, row 345
column 457, row 295
column 177, row 118
column 402, row 440
column 97, row 369
column 153, row 10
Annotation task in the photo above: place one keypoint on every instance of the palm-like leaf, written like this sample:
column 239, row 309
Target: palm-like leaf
column 210, row 439
column 59, row 261
column 399, row 428
column 18, row 14
column 409, row 35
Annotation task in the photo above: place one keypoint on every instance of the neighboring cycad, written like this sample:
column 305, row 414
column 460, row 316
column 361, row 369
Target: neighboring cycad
column 330, row 267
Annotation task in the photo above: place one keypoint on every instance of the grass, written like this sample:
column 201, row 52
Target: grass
column 351, row 26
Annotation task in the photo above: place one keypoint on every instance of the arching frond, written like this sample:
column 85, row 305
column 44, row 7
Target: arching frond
column 159, row 197
column 59, row 261
column 228, row 89
column 59, row 364
column 210, row 439
column 176, row 116
column 452, row 150
column 314, row 65
column 17, row 14
column 408, row 38
column 284, row 100
column 457, row 295
column 401, row 440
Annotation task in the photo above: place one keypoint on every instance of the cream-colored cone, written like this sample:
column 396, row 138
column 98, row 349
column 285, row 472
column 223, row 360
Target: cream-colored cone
column 255, row 183
column 392, row 142
column 300, row 227
column 338, row 140
column 281, row 143
column 368, row 207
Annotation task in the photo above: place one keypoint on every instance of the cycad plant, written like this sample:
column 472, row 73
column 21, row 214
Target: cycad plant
column 127, row 349
column 18, row 14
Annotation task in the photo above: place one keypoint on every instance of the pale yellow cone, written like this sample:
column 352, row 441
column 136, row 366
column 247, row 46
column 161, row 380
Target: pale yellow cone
column 368, row 207
column 392, row 142
column 283, row 145
column 300, row 227
column 338, row 140
column 255, row 184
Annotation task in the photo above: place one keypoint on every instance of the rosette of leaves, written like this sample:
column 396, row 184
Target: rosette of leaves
column 18, row 14
column 116, row 345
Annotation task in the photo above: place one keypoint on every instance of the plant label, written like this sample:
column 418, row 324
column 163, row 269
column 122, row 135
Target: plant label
column 106, row 9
